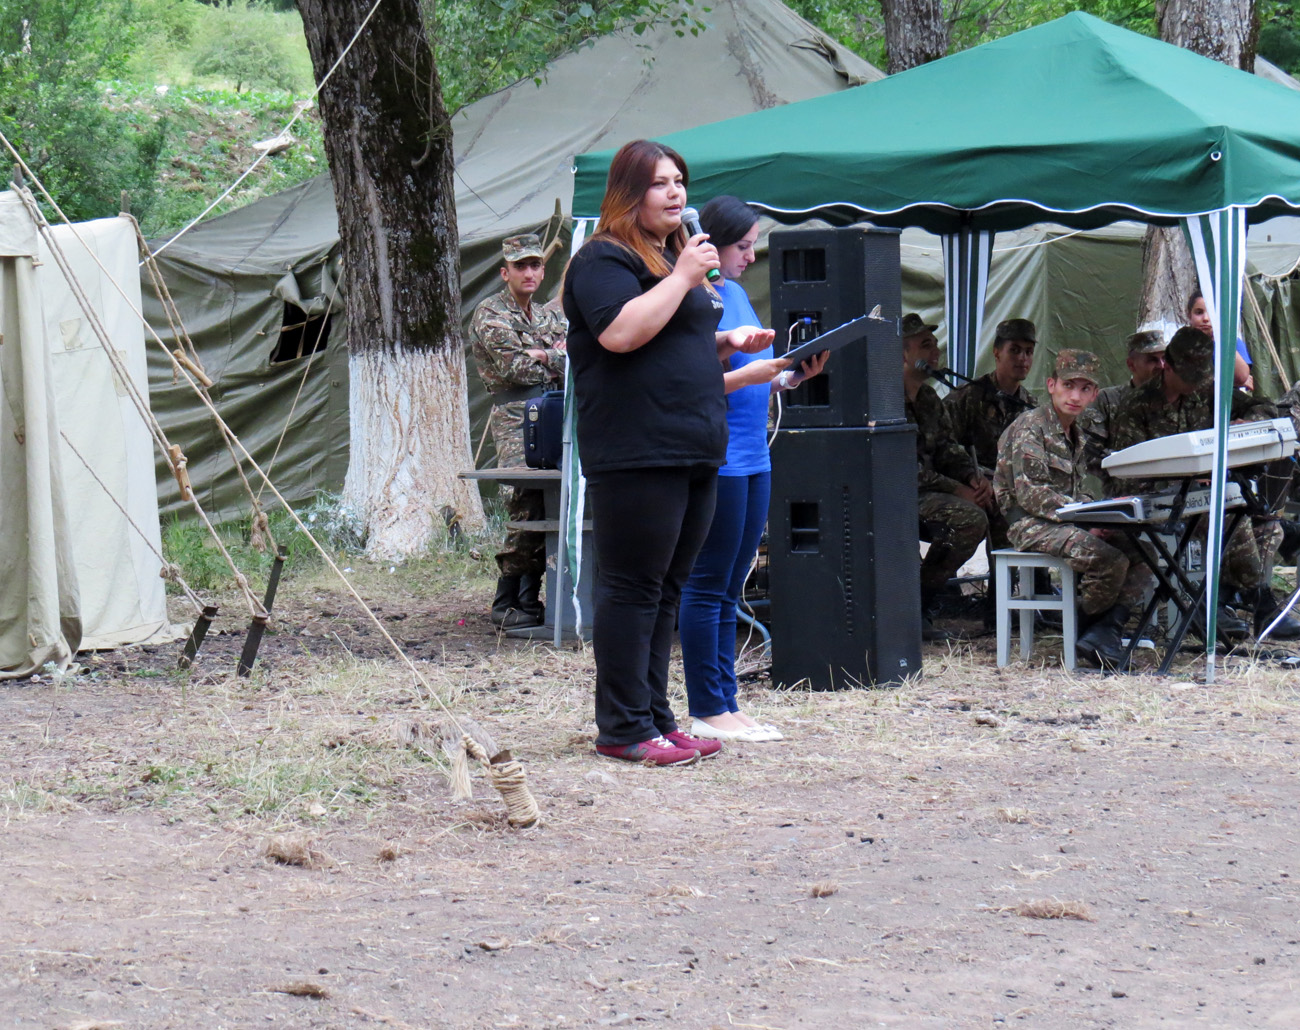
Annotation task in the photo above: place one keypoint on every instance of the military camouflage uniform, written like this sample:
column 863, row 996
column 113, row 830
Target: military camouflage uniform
column 1095, row 425
column 980, row 413
column 1145, row 414
column 953, row 525
column 501, row 335
column 1041, row 468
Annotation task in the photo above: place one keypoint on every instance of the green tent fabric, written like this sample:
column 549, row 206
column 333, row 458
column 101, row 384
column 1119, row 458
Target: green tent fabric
column 1075, row 121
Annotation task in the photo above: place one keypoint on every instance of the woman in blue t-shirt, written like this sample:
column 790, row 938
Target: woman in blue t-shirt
column 707, row 623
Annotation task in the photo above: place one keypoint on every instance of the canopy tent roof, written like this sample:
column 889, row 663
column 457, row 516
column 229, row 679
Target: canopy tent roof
column 1076, row 122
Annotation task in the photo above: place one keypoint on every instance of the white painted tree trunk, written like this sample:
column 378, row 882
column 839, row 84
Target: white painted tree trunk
column 410, row 437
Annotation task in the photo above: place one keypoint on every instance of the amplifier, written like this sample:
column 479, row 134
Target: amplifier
column 820, row 279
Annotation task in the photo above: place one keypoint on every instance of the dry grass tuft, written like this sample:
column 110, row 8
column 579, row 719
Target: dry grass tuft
column 1014, row 815
column 677, row 890
column 388, row 853
column 292, row 849
column 1054, row 908
column 302, row 989
column 823, row 889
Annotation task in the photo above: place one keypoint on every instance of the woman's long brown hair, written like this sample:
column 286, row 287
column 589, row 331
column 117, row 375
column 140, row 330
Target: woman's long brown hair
column 630, row 175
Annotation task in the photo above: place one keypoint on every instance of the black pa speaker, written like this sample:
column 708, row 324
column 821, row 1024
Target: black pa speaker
column 843, row 557
column 822, row 278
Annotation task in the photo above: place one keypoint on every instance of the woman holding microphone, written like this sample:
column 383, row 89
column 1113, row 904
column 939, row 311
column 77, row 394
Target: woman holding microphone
column 647, row 360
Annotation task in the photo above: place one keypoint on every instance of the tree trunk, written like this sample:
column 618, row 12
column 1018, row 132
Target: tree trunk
column 388, row 140
column 1225, row 30
column 915, row 33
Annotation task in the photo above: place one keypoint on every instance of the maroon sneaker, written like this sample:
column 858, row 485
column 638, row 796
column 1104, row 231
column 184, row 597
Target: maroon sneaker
column 706, row 748
column 653, row 752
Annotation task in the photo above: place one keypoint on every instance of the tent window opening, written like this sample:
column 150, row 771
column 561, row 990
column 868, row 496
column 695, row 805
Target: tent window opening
column 300, row 334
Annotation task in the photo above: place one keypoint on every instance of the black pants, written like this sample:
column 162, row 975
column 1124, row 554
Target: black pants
column 649, row 526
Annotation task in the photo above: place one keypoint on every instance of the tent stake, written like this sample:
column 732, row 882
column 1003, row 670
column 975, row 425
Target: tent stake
column 257, row 627
column 197, row 634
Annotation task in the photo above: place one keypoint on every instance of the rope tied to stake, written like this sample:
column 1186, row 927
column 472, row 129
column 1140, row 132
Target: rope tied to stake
column 511, row 782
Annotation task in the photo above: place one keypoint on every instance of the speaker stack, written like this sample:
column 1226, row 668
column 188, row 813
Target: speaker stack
column 843, row 555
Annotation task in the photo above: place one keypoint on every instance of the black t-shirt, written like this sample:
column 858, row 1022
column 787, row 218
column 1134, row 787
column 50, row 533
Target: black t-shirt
column 660, row 405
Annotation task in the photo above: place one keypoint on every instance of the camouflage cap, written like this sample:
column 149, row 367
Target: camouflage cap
column 1149, row 341
column 1016, row 329
column 1191, row 355
column 913, row 325
column 1078, row 364
column 517, row 248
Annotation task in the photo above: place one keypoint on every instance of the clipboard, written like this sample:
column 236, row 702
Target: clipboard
column 838, row 337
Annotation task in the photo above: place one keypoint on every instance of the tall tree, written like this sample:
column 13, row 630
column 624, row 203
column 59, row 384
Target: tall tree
column 915, row 33
column 388, row 140
column 1225, row 30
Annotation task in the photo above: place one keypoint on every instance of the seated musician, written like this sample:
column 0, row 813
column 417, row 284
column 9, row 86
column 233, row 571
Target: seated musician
column 1041, row 467
column 952, row 497
column 981, row 410
column 1180, row 399
column 1146, row 357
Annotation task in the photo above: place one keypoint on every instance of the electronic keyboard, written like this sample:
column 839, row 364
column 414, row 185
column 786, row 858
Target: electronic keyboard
column 1150, row 508
column 1192, row 454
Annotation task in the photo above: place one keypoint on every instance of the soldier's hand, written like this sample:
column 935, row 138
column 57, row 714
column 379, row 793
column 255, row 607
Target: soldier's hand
column 983, row 491
column 537, row 354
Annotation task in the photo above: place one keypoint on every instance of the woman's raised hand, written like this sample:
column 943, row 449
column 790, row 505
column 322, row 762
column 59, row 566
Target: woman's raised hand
column 750, row 339
column 696, row 259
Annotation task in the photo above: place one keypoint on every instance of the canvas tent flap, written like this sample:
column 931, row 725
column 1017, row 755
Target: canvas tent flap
column 107, row 449
column 39, row 619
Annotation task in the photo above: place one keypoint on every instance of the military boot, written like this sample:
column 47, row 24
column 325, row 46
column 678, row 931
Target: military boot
column 506, row 600
column 530, row 603
column 1102, row 643
column 1266, row 609
column 930, row 633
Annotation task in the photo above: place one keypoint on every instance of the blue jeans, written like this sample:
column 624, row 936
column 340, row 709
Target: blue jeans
column 707, row 623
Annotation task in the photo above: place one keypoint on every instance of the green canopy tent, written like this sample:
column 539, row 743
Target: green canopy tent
column 1076, row 122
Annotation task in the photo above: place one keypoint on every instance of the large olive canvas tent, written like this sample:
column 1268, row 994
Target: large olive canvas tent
column 990, row 139
column 246, row 282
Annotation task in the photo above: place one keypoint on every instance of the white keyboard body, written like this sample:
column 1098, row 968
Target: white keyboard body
column 1192, row 454
column 1146, row 509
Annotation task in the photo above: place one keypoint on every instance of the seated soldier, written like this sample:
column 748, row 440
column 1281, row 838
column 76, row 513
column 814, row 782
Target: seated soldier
column 1180, row 399
column 1041, row 467
column 1146, row 357
column 952, row 496
column 981, row 411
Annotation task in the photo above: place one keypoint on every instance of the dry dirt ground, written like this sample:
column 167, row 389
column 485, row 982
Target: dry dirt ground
column 979, row 848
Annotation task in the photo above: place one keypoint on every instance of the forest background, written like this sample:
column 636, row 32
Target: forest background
column 165, row 98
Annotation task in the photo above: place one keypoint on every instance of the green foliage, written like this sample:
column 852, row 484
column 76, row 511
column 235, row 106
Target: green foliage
column 239, row 45
column 52, row 53
column 1279, row 35
column 484, row 45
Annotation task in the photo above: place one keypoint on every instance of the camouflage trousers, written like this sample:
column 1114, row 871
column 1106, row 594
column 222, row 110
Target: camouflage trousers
column 1110, row 571
column 1249, row 553
column 524, row 552
column 954, row 528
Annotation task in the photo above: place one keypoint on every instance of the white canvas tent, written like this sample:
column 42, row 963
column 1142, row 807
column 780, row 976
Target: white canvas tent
column 76, row 461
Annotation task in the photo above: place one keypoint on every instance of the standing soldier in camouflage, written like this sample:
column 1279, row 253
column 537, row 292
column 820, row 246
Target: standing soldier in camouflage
column 519, row 350
column 1180, row 399
column 1146, row 357
column 1041, row 467
column 982, row 410
column 952, row 497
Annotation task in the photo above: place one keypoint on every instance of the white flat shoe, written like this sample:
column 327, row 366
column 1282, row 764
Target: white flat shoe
column 759, row 734
column 700, row 728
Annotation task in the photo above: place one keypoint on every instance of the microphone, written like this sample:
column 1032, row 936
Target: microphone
column 691, row 219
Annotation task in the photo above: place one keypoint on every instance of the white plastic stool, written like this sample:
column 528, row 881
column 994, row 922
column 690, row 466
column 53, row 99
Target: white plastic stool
column 1026, row 602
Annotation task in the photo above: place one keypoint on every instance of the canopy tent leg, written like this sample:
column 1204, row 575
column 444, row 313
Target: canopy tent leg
column 1218, row 243
column 966, row 257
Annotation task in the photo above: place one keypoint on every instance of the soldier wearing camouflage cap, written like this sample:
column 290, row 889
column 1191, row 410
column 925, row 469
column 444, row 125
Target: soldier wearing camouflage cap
column 953, row 499
column 519, row 350
column 1180, row 399
column 982, row 410
column 1146, row 357
column 1041, row 467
